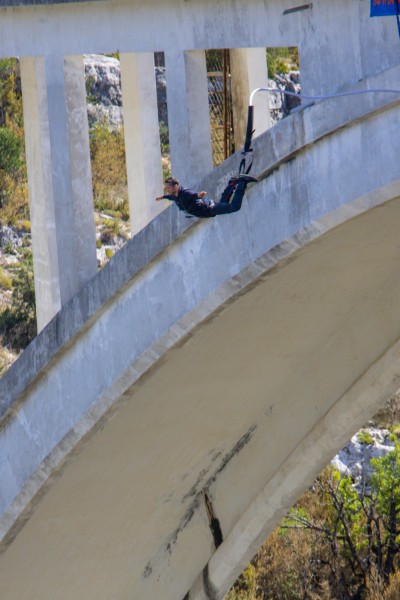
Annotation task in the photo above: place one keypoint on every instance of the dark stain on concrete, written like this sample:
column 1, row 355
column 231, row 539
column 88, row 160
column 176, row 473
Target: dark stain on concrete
column 198, row 485
column 197, row 492
column 148, row 570
column 238, row 447
column 187, row 517
column 202, row 482
column 169, row 545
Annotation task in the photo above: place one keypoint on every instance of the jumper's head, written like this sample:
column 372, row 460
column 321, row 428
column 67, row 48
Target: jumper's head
column 171, row 185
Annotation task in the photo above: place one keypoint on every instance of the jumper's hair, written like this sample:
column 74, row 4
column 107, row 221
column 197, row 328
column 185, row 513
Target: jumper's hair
column 171, row 181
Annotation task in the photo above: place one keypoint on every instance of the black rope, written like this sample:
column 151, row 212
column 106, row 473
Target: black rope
column 249, row 129
column 247, row 143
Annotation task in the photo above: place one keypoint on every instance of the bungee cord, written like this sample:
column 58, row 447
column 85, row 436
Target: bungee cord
column 249, row 129
column 324, row 96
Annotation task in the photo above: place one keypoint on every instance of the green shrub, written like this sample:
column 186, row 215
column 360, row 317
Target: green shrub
column 13, row 177
column 365, row 438
column 24, row 225
column 6, row 359
column 281, row 60
column 18, row 323
column 245, row 587
column 107, row 150
column 164, row 138
column 8, row 248
column 336, row 543
column 10, row 150
column 5, row 280
column 11, row 113
column 395, row 429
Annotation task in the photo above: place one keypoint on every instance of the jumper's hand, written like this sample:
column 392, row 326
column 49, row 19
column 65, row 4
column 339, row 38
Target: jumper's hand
column 157, row 198
column 201, row 194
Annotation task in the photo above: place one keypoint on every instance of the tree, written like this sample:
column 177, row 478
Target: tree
column 385, row 499
column 18, row 323
column 13, row 178
column 360, row 528
column 339, row 542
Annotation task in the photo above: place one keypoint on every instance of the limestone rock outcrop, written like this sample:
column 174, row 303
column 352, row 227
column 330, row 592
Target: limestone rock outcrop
column 103, row 88
column 354, row 459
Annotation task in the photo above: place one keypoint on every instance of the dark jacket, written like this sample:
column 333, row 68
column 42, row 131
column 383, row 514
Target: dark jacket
column 186, row 200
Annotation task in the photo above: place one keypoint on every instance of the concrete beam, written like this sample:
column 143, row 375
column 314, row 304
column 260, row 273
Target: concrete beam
column 142, row 138
column 367, row 45
column 39, row 2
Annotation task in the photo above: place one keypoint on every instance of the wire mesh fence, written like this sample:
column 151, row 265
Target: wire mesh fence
column 220, row 104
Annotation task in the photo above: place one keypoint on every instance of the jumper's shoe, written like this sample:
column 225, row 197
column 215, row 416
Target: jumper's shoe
column 247, row 178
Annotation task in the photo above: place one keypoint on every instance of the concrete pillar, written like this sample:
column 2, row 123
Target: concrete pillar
column 249, row 71
column 80, row 166
column 142, row 138
column 59, row 180
column 188, row 115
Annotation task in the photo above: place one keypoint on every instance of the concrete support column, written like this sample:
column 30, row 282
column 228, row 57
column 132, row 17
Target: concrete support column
column 142, row 138
column 81, row 170
column 188, row 115
column 249, row 71
column 59, row 179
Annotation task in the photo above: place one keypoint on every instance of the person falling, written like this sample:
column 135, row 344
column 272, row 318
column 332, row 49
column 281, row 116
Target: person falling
column 195, row 204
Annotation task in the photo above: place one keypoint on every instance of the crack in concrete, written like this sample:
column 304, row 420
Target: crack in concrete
column 198, row 498
column 214, row 522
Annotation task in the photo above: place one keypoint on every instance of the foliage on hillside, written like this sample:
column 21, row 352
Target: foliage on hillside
column 18, row 322
column 13, row 178
column 337, row 543
column 282, row 60
column 107, row 149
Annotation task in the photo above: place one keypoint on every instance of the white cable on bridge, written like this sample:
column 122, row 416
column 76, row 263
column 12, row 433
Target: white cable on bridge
column 249, row 129
column 306, row 97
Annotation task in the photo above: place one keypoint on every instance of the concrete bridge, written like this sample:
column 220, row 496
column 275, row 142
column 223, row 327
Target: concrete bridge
column 183, row 397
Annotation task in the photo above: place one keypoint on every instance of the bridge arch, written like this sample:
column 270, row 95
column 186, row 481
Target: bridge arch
column 183, row 377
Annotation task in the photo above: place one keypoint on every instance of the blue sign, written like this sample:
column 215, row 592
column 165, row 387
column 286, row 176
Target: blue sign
column 382, row 8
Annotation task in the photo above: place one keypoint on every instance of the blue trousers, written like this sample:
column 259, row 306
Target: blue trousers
column 224, row 207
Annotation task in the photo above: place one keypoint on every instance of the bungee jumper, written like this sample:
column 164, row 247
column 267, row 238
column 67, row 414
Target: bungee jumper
column 196, row 205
